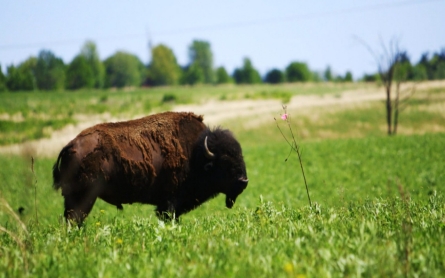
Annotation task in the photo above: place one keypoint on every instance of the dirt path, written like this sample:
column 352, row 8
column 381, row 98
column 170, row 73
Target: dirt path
column 248, row 112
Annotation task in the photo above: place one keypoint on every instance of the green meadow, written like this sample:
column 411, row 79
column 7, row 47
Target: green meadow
column 33, row 115
column 377, row 210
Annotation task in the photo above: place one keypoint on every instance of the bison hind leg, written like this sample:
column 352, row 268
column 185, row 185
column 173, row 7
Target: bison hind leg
column 78, row 205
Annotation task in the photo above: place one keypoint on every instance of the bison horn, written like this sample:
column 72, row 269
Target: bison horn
column 243, row 180
column 208, row 153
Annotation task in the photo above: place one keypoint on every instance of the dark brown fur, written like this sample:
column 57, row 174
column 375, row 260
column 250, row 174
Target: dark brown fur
column 159, row 160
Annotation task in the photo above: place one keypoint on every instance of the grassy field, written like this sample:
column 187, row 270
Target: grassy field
column 33, row 115
column 378, row 210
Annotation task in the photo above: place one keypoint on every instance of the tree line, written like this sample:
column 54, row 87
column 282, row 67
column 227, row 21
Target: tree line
column 122, row 69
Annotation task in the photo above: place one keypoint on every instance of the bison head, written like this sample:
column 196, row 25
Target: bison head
column 225, row 165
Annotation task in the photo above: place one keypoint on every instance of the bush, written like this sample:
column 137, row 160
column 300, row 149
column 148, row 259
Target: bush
column 193, row 75
column 79, row 74
column 168, row 98
column 222, row 77
column 3, row 87
column 123, row 69
column 49, row 71
column 164, row 69
column 274, row 76
column 298, row 72
column 22, row 77
column 247, row 74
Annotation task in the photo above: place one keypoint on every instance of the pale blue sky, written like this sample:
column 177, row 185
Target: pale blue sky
column 270, row 33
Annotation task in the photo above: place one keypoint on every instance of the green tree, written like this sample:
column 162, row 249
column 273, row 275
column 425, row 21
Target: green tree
column 222, row 77
column 3, row 87
column 424, row 63
column 316, row 76
column 247, row 74
column 373, row 77
column 91, row 55
column 440, row 71
column 433, row 68
column 274, row 76
column 164, row 69
column 50, row 71
column 298, row 72
column 22, row 77
column 348, row 77
column 403, row 69
column 437, row 65
column 201, row 55
column 79, row 74
column 193, row 75
column 419, row 73
column 123, row 69
column 328, row 74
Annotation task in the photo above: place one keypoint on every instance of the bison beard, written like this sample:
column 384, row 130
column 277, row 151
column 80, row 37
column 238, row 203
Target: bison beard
column 171, row 160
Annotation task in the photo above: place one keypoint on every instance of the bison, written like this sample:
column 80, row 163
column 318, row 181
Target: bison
column 170, row 160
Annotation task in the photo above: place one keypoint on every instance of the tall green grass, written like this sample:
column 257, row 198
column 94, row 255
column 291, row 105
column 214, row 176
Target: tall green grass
column 338, row 171
column 379, row 238
column 378, row 201
column 379, row 212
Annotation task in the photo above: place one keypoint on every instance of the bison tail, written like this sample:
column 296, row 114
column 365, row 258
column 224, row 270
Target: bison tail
column 56, row 167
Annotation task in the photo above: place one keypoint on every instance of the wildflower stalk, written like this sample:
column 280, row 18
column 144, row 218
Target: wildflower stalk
column 294, row 147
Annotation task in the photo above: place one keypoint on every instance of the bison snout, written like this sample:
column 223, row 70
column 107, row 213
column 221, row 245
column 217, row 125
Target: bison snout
column 229, row 202
column 237, row 189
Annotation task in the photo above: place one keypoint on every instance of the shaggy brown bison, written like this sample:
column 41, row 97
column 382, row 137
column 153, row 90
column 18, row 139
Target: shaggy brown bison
column 170, row 160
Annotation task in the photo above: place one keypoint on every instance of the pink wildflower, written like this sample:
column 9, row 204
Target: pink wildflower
column 284, row 117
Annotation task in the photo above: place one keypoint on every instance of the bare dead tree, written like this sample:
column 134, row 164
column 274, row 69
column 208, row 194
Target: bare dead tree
column 402, row 94
column 391, row 72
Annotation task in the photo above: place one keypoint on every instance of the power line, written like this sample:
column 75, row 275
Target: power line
column 231, row 25
column 297, row 17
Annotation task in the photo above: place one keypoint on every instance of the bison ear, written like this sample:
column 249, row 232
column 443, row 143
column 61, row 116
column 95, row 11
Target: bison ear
column 208, row 166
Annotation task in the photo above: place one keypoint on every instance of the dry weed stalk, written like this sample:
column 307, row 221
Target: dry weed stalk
column 294, row 147
column 7, row 208
column 10, row 211
column 20, row 243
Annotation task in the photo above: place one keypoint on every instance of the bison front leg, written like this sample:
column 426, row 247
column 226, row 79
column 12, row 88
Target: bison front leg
column 78, row 205
column 167, row 211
